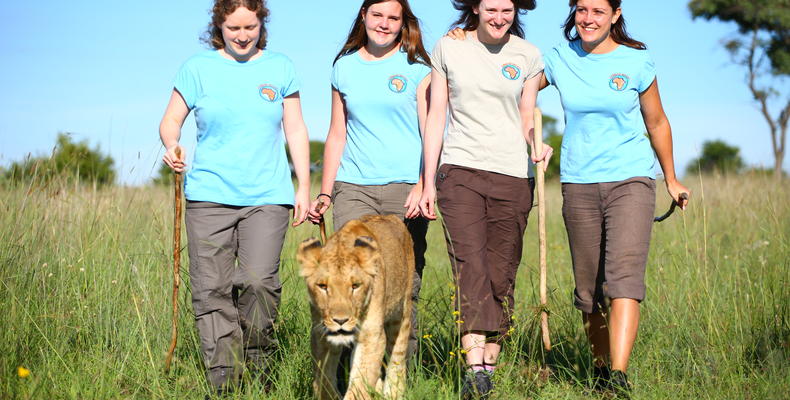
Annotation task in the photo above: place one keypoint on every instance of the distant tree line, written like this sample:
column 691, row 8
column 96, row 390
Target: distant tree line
column 70, row 161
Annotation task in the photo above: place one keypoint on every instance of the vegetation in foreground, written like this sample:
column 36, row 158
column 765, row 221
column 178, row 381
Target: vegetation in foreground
column 85, row 285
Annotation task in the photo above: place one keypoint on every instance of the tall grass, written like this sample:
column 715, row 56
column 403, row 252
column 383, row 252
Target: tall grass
column 85, row 284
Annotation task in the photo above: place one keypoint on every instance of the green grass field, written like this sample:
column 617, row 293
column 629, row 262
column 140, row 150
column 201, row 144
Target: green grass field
column 85, row 285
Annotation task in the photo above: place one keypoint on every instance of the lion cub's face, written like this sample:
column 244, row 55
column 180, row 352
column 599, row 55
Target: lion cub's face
column 339, row 277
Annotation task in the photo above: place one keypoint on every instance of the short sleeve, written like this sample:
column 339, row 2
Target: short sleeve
column 290, row 81
column 648, row 73
column 536, row 63
column 548, row 67
column 186, row 82
column 421, row 72
column 335, row 76
column 437, row 58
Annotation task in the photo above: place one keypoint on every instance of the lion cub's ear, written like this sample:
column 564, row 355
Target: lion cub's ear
column 308, row 254
column 367, row 251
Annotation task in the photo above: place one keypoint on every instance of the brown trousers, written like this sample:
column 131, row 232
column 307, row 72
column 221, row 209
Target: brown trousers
column 485, row 214
column 609, row 226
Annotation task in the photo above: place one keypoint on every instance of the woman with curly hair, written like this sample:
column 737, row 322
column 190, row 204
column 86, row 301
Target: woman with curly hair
column 239, row 190
column 490, row 81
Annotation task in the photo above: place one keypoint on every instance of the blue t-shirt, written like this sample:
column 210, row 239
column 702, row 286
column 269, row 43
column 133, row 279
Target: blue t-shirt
column 605, row 138
column 383, row 142
column 240, row 156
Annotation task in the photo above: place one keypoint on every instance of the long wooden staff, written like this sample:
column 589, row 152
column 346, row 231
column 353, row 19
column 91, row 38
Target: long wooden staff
column 544, row 313
column 178, row 192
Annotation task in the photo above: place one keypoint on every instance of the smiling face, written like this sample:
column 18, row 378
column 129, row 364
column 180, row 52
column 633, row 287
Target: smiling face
column 496, row 18
column 383, row 23
column 593, row 21
column 240, row 32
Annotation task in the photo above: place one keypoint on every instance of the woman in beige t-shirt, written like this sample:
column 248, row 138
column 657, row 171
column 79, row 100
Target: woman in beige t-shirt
column 490, row 82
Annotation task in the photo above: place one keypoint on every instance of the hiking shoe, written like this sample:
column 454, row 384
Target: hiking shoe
column 476, row 385
column 484, row 383
column 601, row 378
column 618, row 384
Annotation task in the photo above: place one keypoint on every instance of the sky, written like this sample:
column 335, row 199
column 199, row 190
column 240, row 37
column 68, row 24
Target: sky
column 104, row 71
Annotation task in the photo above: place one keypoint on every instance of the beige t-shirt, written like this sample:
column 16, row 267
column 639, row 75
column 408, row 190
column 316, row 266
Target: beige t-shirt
column 485, row 84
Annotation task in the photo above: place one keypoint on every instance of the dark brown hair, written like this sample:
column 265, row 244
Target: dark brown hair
column 469, row 21
column 618, row 32
column 410, row 37
column 223, row 8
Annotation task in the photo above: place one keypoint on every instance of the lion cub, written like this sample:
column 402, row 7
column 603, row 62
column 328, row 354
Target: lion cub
column 360, row 293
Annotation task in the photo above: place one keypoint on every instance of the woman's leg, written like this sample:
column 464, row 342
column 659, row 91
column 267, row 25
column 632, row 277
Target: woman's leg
column 351, row 201
column 628, row 213
column 598, row 333
column 623, row 325
column 211, row 230
column 392, row 199
column 261, row 233
column 581, row 211
column 508, row 203
column 462, row 203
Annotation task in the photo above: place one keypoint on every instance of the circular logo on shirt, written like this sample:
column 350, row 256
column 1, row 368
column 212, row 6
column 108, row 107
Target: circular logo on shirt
column 619, row 82
column 397, row 83
column 511, row 71
column 268, row 93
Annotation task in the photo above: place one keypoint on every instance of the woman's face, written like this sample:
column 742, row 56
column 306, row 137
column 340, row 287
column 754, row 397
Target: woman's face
column 496, row 17
column 594, row 20
column 383, row 23
column 240, row 32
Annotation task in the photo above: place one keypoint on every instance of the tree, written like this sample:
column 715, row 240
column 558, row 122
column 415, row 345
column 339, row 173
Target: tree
column 717, row 156
column 69, row 160
column 764, row 27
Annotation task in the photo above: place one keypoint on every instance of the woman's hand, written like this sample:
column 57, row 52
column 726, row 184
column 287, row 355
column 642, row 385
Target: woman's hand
column 675, row 189
column 301, row 205
column 457, row 34
column 428, row 202
column 412, row 204
column 548, row 151
column 318, row 207
column 175, row 162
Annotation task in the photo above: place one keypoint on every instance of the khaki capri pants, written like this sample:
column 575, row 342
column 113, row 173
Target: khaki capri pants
column 609, row 226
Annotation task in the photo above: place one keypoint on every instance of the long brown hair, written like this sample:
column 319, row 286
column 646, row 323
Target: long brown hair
column 223, row 8
column 469, row 21
column 618, row 32
column 410, row 37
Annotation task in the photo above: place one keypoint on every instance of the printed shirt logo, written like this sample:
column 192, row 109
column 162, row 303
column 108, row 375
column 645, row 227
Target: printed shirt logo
column 268, row 93
column 397, row 83
column 619, row 82
column 511, row 71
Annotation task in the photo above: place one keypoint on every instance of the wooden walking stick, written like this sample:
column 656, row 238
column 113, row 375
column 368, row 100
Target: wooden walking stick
column 178, row 195
column 544, row 313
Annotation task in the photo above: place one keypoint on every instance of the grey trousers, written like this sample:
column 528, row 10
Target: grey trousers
column 354, row 201
column 234, row 260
